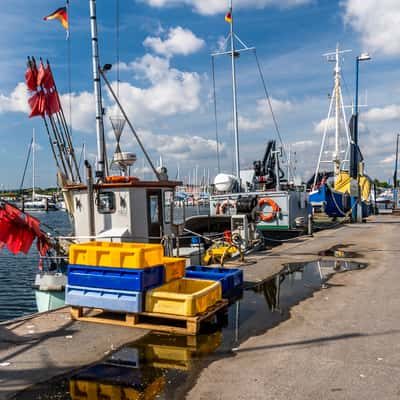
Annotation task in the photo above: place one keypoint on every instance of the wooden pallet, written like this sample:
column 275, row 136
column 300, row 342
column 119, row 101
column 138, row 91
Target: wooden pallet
column 152, row 321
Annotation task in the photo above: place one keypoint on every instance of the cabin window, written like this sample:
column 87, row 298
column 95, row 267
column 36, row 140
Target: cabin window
column 106, row 203
column 154, row 210
column 168, row 203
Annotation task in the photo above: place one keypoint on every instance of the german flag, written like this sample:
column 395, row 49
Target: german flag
column 61, row 14
column 228, row 17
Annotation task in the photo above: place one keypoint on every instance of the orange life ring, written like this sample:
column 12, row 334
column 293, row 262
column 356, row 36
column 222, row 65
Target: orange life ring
column 227, row 204
column 121, row 179
column 275, row 209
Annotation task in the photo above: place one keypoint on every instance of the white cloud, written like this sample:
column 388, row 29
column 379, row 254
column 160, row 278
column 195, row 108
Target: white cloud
column 329, row 124
column 182, row 147
column 171, row 91
column 178, row 41
column 16, row 101
column 262, row 116
column 83, row 111
column 387, row 113
column 389, row 160
column 211, row 7
column 378, row 22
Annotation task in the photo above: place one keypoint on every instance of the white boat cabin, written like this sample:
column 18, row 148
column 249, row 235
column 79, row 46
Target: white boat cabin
column 135, row 211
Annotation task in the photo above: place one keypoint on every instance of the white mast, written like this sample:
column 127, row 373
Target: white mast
column 33, row 164
column 340, row 115
column 234, row 95
column 97, row 92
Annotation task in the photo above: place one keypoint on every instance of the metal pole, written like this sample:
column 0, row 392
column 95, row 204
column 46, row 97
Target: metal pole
column 395, row 184
column 355, row 144
column 234, row 94
column 337, row 115
column 90, row 195
column 97, row 92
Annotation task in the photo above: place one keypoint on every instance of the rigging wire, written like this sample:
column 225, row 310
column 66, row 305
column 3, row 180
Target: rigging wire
column 269, row 101
column 26, row 165
column 215, row 114
column 275, row 121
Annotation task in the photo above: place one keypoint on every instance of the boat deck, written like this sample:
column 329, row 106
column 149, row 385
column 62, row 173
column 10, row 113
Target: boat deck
column 37, row 348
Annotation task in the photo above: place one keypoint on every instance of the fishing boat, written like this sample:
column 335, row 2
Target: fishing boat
column 333, row 190
column 105, row 206
column 259, row 200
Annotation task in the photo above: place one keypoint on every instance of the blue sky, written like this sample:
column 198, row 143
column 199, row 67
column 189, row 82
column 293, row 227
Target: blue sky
column 165, row 69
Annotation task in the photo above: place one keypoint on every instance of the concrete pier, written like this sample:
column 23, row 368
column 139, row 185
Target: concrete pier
column 342, row 343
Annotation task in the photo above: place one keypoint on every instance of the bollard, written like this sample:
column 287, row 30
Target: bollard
column 310, row 225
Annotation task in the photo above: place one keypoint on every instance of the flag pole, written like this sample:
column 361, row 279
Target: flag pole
column 69, row 68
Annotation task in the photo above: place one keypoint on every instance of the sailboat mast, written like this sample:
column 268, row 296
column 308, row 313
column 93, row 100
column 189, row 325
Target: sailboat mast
column 97, row 92
column 33, row 164
column 234, row 94
column 337, row 114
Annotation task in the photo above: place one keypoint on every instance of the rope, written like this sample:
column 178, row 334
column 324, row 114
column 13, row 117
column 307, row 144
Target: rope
column 215, row 114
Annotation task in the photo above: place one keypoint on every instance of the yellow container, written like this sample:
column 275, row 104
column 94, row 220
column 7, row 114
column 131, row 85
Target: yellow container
column 116, row 255
column 174, row 268
column 186, row 297
column 88, row 390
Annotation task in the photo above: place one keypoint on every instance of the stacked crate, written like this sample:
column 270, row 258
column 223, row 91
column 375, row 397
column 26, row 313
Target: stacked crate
column 137, row 278
column 116, row 276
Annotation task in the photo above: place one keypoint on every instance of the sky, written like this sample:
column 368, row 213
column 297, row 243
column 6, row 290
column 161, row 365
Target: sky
column 166, row 81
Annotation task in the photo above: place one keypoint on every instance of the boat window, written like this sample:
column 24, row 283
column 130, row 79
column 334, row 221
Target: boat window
column 168, row 203
column 154, row 210
column 106, row 203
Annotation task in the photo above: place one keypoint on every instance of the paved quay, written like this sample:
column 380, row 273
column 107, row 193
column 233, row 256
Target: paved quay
column 342, row 343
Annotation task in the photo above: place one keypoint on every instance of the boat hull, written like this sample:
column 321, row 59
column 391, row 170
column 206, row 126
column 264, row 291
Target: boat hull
column 335, row 204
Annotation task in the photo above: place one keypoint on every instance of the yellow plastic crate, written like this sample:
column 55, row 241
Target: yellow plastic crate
column 117, row 255
column 88, row 390
column 174, row 268
column 186, row 297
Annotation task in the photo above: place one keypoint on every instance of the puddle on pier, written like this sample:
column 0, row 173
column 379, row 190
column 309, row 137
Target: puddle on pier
column 164, row 366
column 338, row 252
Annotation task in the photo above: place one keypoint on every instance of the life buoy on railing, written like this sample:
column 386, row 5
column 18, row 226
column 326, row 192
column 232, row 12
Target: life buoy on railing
column 221, row 208
column 121, row 179
column 275, row 209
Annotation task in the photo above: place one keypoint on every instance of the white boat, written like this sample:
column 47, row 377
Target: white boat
column 244, row 195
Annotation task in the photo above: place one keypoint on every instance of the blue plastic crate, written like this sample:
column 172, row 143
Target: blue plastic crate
column 138, row 280
column 230, row 278
column 112, row 300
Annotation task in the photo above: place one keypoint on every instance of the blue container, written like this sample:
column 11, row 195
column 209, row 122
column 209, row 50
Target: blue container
column 137, row 280
column 230, row 278
column 112, row 300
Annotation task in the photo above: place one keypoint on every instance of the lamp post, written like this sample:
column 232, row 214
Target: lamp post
column 354, row 168
column 395, row 185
